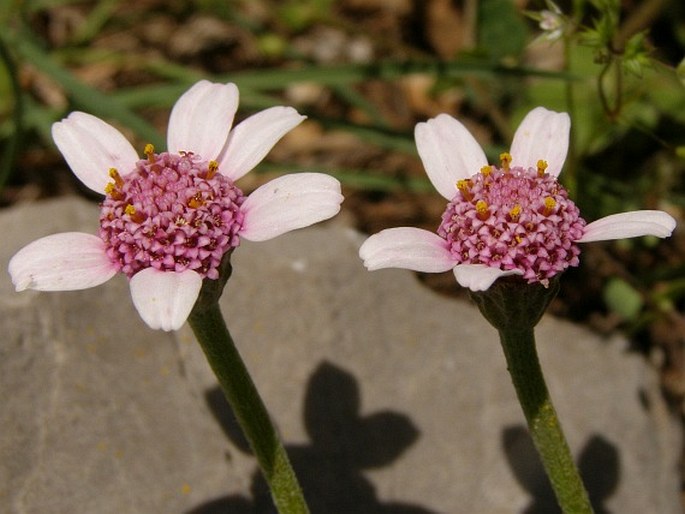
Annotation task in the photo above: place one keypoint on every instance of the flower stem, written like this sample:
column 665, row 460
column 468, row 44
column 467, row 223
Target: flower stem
column 526, row 374
column 210, row 329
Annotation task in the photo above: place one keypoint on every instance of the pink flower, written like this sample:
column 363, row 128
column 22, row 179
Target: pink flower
column 512, row 219
column 167, row 220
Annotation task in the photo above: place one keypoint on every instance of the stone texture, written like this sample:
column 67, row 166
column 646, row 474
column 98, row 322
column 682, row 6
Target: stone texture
column 391, row 399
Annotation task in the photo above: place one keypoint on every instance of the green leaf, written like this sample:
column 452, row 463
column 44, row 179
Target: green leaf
column 501, row 29
column 623, row 299
column 300, row 14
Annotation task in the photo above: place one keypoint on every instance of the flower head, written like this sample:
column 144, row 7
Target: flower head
column 514, row 219
column 173, row 212
column 551, row 21
column 168, row 219
column 511, row 219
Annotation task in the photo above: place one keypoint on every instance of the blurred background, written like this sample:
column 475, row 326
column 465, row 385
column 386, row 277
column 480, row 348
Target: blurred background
column 365, row 72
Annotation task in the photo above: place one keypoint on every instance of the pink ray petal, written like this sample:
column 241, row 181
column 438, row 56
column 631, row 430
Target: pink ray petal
column 479, row 277
column 164, row 299
column 406, row 247
column 449, row 153
column 629, row 224
column 201, row 119
column 91, row 147
column 290, row 202
column 250, row 140
column 542, row 134
column 61, row 262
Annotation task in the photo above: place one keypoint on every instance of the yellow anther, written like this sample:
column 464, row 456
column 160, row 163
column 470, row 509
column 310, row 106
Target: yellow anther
column 505, row 160
column 150, row 152
column 486, row 170
column 196, row 201
column 542, row 166
column 114, row 174
column 515, row 212
column 550, row 204
column 464, row 187
column 212, row 169
column 482, row 211
column 518, row 239
column 113, row 191
column 135, row 215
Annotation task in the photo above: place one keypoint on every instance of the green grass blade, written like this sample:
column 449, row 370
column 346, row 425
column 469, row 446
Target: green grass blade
column 276, row 79
column 84, row 96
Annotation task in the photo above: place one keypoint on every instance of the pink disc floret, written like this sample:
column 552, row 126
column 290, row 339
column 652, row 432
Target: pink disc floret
column 173, row 212
column 513, row 219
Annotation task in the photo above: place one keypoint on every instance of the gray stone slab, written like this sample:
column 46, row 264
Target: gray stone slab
column 391, row 399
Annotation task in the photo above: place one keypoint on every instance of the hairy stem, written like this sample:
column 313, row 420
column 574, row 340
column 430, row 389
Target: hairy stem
column 249, row 409
column 545, row 429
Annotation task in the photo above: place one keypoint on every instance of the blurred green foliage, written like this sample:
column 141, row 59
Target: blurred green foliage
column 623, row 299
column 502, row 30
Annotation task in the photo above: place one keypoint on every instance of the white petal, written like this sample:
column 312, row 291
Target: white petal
column 479, row 277
column 164, row 299
column 629, row 224
column 61, row 262
column 542, row 134
column 201, row 119
column 449, row 153
column 290, row 202
column 406, row 247
column 254, row 137
column 91, row 147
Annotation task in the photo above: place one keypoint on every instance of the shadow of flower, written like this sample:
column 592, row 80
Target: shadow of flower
column 343, row 445
column 598, row 464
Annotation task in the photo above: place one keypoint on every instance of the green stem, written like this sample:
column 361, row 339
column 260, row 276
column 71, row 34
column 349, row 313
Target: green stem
column 571, row 172
column 211, row 332
column 10, row 153
column 526, row 374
